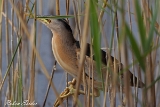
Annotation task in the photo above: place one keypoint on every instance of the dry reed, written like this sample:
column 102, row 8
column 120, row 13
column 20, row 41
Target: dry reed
column 18, row 78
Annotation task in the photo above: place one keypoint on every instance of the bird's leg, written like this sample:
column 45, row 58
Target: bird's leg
column 68, row 91
column 95, row 93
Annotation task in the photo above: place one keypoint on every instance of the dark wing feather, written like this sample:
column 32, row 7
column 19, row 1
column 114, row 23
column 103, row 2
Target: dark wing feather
column 133, row 79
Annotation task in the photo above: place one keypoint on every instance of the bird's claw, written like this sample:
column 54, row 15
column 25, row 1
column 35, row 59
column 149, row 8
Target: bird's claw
column 66, row 93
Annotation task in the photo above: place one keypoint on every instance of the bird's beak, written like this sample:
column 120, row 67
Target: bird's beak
column 43, row 20
column 39, row 18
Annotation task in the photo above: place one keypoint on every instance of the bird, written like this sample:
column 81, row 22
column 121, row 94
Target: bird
column 66, row 50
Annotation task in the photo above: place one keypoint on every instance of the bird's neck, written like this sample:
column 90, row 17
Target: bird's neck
column 66, row 38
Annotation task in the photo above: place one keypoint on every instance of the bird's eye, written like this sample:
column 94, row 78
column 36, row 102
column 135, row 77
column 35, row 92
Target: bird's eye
column 48, row 20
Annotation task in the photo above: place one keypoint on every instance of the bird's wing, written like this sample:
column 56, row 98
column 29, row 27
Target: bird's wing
column 91, row 64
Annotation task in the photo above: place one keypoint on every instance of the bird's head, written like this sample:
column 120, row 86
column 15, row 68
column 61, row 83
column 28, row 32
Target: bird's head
column 56, row 25
column 60, row 27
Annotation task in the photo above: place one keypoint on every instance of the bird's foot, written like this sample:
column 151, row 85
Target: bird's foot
column 68, row 91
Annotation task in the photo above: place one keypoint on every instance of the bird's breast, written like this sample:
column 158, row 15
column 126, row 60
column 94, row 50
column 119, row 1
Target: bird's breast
column 65, row 55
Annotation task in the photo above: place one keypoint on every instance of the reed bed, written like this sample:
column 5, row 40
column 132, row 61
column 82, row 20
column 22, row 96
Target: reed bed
column 126, row 29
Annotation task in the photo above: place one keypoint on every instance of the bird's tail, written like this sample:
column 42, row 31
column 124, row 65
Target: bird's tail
column 134, row 81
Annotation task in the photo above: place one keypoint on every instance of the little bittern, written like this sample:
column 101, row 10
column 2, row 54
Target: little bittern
column 66, row 51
